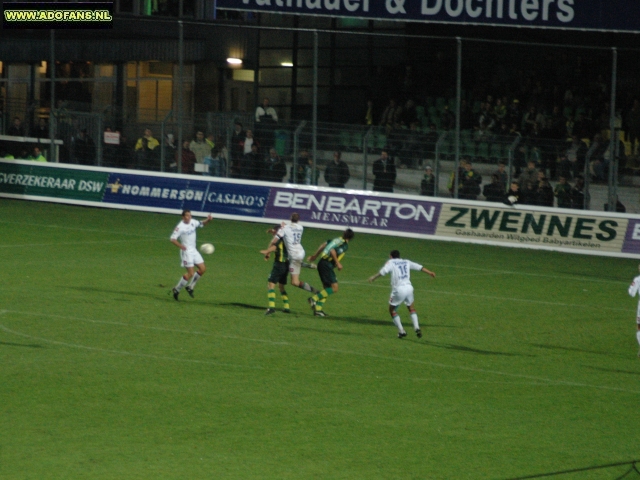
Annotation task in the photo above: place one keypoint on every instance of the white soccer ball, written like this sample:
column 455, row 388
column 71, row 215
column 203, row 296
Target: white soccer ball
column 207, row 248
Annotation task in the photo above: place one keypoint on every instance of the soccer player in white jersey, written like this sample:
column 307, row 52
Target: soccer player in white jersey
column 634, row 288
column 184, row 237
column 291, row 234
column 401, row 289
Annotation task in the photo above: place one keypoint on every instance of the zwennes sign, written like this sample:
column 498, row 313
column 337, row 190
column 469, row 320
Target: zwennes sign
column 607, row 15
column 531, row 228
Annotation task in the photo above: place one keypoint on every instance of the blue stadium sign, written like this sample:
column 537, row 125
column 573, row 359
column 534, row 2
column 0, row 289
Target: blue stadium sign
column 604, row 15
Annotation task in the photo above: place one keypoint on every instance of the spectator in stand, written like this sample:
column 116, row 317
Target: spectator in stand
column 145, row 150
column 40, row 129
column 152, row 143
column 448, row 119
column 528, row 194
column 237, row 148
column 502, row 174
column 273, row 168
column 37, row 156
column 514, row 113
column 409, row 114
column 16, row 129
column 485, row 120
column 430, row 140
column 632, row 125
column 494, row 191
column 368, row 115
column 251, row 164
column 384, row 172
column 428, row 183
column 582, row 126
column 4, row 155
column 528, row 175
column 304, row 170
column 512, row 196
column 200, row 147
column 577, row 194
column 391, row 115
column 575, row 155
column 216, row 162
column 188, row 158
column 598, row 150
column 83, row 148
column 170, row 152
column 599, row 166
column 532, row 119
column 337, row 172
column 499, row 110
column 210, row 139
column 544, row 196
column 266, row 121
column 248, row 142
column 452, row 179
column 562, row 192
column 471, row 181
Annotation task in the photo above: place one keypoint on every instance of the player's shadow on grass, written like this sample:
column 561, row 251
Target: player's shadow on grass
column 462, row 348
column 574, row 349
column 611, row 370
column 9, row 344
column 243, row 305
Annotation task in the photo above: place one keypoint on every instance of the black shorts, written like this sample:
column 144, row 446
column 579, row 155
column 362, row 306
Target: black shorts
column 279, row 273
column 326, row 272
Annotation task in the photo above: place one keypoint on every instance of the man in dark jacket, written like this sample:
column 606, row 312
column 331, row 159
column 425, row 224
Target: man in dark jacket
column 337, row 172
column 384, row 171
column 273, row 168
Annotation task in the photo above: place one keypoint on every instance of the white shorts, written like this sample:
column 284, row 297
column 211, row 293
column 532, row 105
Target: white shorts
column 403, row 293
column 295, row 261
column 189, row 258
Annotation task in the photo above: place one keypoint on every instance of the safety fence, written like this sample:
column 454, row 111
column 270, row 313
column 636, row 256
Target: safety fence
column 308, row 151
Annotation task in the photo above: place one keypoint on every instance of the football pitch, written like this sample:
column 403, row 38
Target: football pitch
column 528, row 363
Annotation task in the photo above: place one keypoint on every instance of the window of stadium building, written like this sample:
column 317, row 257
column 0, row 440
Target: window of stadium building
column 151, row 92
column 168, row 8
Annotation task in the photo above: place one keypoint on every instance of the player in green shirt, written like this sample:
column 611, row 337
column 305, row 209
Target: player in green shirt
column 331, row 253
column 278, row 275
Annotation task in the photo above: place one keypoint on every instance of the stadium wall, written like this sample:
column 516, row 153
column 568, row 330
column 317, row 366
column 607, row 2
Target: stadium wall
column 573, row 231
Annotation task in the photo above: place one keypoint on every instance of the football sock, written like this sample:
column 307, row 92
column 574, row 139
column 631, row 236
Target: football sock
column 271, row 297
column 323, row 294
column 414, row 320
column 396, row 321
column 307, row 287
column 194, row 279
column 320, row 297
column 285, row 300
column 638, row 336
column 181, row 284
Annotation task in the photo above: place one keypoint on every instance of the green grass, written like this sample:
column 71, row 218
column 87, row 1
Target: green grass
column 528, row 364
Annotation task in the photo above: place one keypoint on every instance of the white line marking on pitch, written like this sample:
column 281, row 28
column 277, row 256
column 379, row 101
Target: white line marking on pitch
column 284, row 343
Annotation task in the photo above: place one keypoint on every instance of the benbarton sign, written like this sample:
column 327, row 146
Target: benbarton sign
column 355, row 210
column 528, row 228
column 609, row 15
